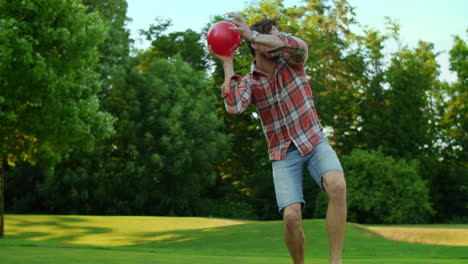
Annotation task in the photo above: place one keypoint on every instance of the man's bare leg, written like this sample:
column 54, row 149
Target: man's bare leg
column 335, row 184
column 293, row 233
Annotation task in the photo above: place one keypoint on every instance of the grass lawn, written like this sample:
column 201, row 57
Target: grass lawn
column 172, row 240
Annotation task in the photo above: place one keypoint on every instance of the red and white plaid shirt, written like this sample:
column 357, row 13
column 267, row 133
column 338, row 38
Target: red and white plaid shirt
column 283, row 101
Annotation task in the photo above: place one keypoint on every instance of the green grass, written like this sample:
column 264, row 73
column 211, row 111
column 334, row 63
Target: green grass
column 166, row 240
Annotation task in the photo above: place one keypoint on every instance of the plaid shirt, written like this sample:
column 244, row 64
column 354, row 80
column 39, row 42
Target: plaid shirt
column 283, row 101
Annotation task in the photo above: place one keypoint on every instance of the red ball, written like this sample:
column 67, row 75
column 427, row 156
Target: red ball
column 223, row 41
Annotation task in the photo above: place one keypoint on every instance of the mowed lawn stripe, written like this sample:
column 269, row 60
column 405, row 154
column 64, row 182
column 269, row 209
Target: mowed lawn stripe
column 456, row 235
column 41, row 255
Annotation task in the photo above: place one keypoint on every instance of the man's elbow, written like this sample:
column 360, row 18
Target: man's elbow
column 300, row 47
column 235, row 109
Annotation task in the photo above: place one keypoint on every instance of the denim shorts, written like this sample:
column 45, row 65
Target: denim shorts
column 288, row 173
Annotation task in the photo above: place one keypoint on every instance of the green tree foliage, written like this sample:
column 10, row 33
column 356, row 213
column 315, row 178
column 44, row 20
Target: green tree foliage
column 114, row 50
column 448, row 185
column 187, row 44
column 446, row 167
column 162, row 159
column 167, row 133
column 49, row 83
column 21, row 189
column 373, row 102
column 455, row 119
column 412, row 74
column 48, row 102
column 183, row 138
column 405, row 111
column 382, row 189
column 112, row 67
column 111, row 179
column 114, row 64
column 395, row 107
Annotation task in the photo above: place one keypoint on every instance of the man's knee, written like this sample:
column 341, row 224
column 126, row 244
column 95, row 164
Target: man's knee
column 335, row 185
column 292, row 215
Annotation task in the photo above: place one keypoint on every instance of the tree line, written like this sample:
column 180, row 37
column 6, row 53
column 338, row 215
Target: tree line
column 90, row 126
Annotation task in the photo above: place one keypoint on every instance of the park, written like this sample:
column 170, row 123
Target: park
column 114, row 151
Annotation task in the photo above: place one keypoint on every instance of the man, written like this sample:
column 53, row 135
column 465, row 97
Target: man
column 278, row 87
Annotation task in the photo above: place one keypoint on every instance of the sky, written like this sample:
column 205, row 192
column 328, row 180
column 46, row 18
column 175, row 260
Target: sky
column 434, row 21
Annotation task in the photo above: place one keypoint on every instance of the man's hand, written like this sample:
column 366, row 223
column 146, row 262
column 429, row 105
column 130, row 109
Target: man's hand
column 228, row 66
column 223, row 59
column 241, row 26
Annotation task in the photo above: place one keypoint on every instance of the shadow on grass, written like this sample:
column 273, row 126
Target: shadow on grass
column 54, row 230
column 250, row 239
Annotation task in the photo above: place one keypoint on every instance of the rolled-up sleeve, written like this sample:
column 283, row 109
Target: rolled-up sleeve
column 295, row 50
column 239, row 94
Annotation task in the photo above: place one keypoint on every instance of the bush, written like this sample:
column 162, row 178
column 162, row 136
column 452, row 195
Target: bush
column 21, row 190
column 383, row 190
column 448, row 189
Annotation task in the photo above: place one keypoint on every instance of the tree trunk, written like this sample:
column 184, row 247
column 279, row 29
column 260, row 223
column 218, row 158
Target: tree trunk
column 2, row 196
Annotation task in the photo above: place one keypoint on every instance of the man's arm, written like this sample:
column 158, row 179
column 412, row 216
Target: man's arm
column 228, row 67
column 268, row 40
column 295, row 48
column 235, row 90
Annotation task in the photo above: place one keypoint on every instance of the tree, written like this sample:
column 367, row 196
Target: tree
column 161, row 159
column 396, row 108
column 373, row 103
column 120, row 176
column 411, row 75
column 455, row 119
column 181, row 138
column 114, row 50
column 187, row 44
column 179, row 101
column 405, row 111
column 446, row 167
column 87, row 169
column 48, row 102
column 110, row 180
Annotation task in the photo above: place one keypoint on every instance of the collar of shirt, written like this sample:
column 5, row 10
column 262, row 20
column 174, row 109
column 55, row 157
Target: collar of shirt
column 255, row 70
